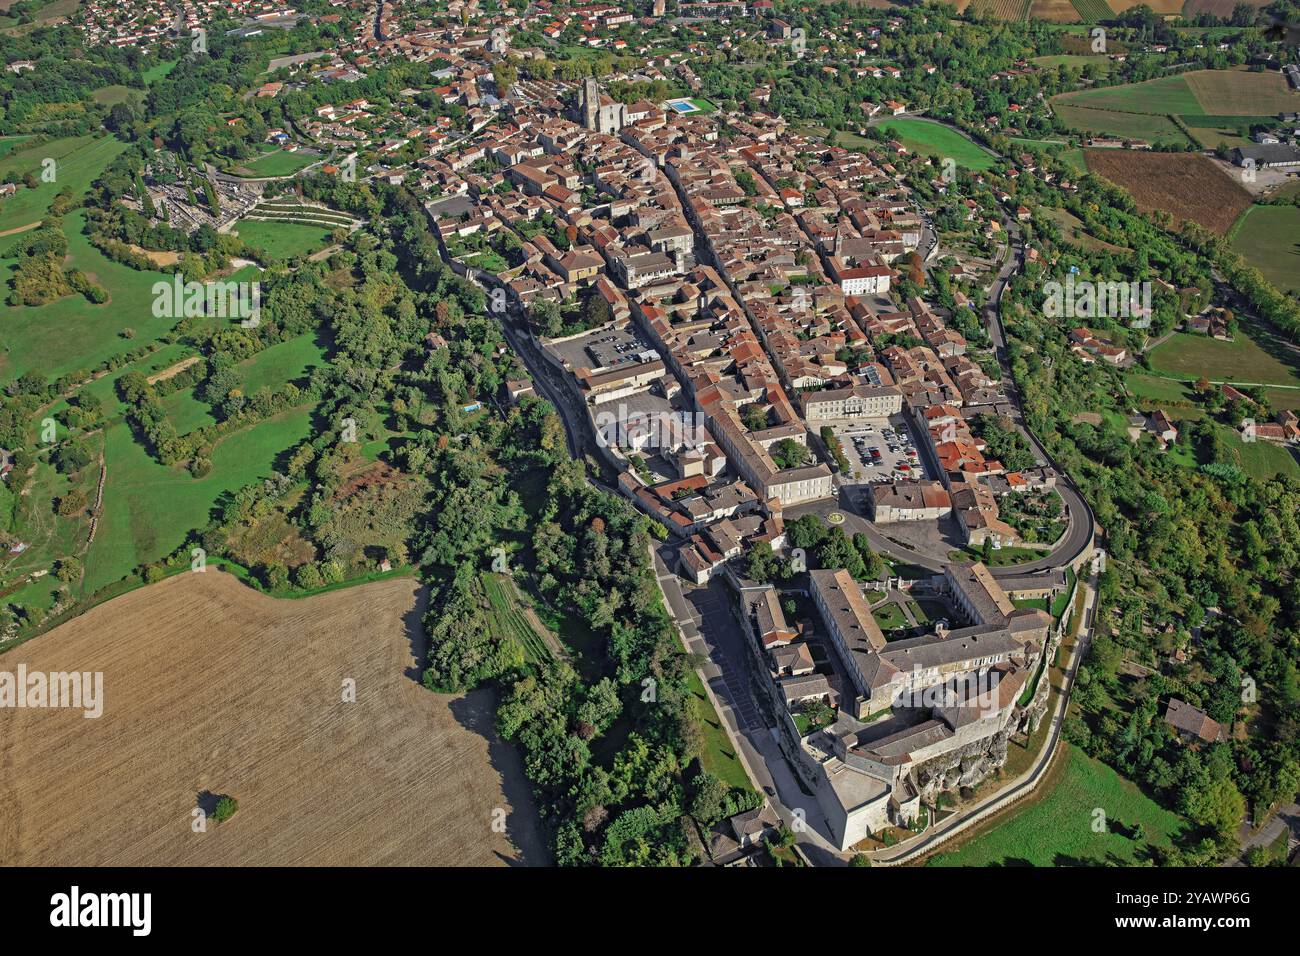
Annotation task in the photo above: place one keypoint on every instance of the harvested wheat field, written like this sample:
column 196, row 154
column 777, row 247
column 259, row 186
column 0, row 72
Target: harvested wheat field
column 211, row 688
column 1185, row 185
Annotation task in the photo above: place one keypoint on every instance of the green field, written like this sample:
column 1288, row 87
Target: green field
column 9, row 143
column 1102, row 62
column 78, row 160
column 159, row 70
column 718, row 757
column 1243, row 360
column 1058, row 830
column 1269, row 236
column 86, row 334
column 186, row 412
column 286, row 362
column 283, row 240
column 280, row 162
column 1169, row 94
column 108, row 95
column 936, row 139
column 1158, row 389
column 149, row 508
column 1150, row 127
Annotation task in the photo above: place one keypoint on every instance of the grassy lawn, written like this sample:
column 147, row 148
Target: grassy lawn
column 92, row 331
column 149, row 508
column 1260, row 459
column 1245, row 359
column 159, row 70
column 1058, row 830
column 187, row 413
column 719, row 757
column 283, row 240
column 1269, row 236
column 77, row 161
column 1000, row 557
column 108, row 95
column 934, row 138
column 9, row 143
column 1157, row 389
column 286, row 362
column 280, row 162
column 889, row 616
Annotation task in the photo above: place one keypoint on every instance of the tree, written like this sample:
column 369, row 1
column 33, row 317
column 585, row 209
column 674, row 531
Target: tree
column 761, row 565
column 788, row 453
column 225, row 809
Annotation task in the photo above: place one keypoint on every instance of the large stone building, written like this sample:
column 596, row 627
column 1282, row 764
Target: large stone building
column 912, row 703
column 598, row 112
column 860, row 401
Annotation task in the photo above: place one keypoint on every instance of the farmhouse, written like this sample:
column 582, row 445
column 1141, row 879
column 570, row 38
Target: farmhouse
column 1278, row 155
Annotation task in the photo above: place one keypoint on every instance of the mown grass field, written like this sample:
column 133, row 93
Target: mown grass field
column 280, row 162
column 72, row 333
column 1150, row 127
column 1269, row 236
column 936, row 139
column 78, row 160
column 287, row 361
column 149, row 508
column 1245, row 359
column 283, row 240
column 1058, row 829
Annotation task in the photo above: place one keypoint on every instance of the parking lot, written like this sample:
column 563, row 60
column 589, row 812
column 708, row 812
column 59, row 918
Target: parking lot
column 880, row 450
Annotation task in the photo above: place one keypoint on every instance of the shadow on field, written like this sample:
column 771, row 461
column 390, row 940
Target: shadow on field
column 413, row 625
column 476, row 711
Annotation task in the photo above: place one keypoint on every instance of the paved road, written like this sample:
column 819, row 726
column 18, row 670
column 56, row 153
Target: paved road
column 709, row 629
column 1286, row 819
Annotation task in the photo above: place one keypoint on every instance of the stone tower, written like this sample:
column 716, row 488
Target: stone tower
column 589, row 103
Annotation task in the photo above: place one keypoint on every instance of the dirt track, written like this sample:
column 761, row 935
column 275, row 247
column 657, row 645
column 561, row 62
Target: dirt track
column 210, row 686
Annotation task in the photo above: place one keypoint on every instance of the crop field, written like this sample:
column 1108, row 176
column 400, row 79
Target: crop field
column 934, row 138
column 1217, row 105
column 1186, row 185
column 400, row 776
column 1269, row 236
column 508, row 618
column 1000, row 9
column 1058, row 829
column 1057, row 11
column 283, row 240
column 1230, row 92
column 1091, row 11
column 78, row 160
column 1219, row 8
column 1148, row 126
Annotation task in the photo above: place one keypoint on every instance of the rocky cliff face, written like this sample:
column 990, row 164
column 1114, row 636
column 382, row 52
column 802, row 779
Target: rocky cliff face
column 967, row 766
